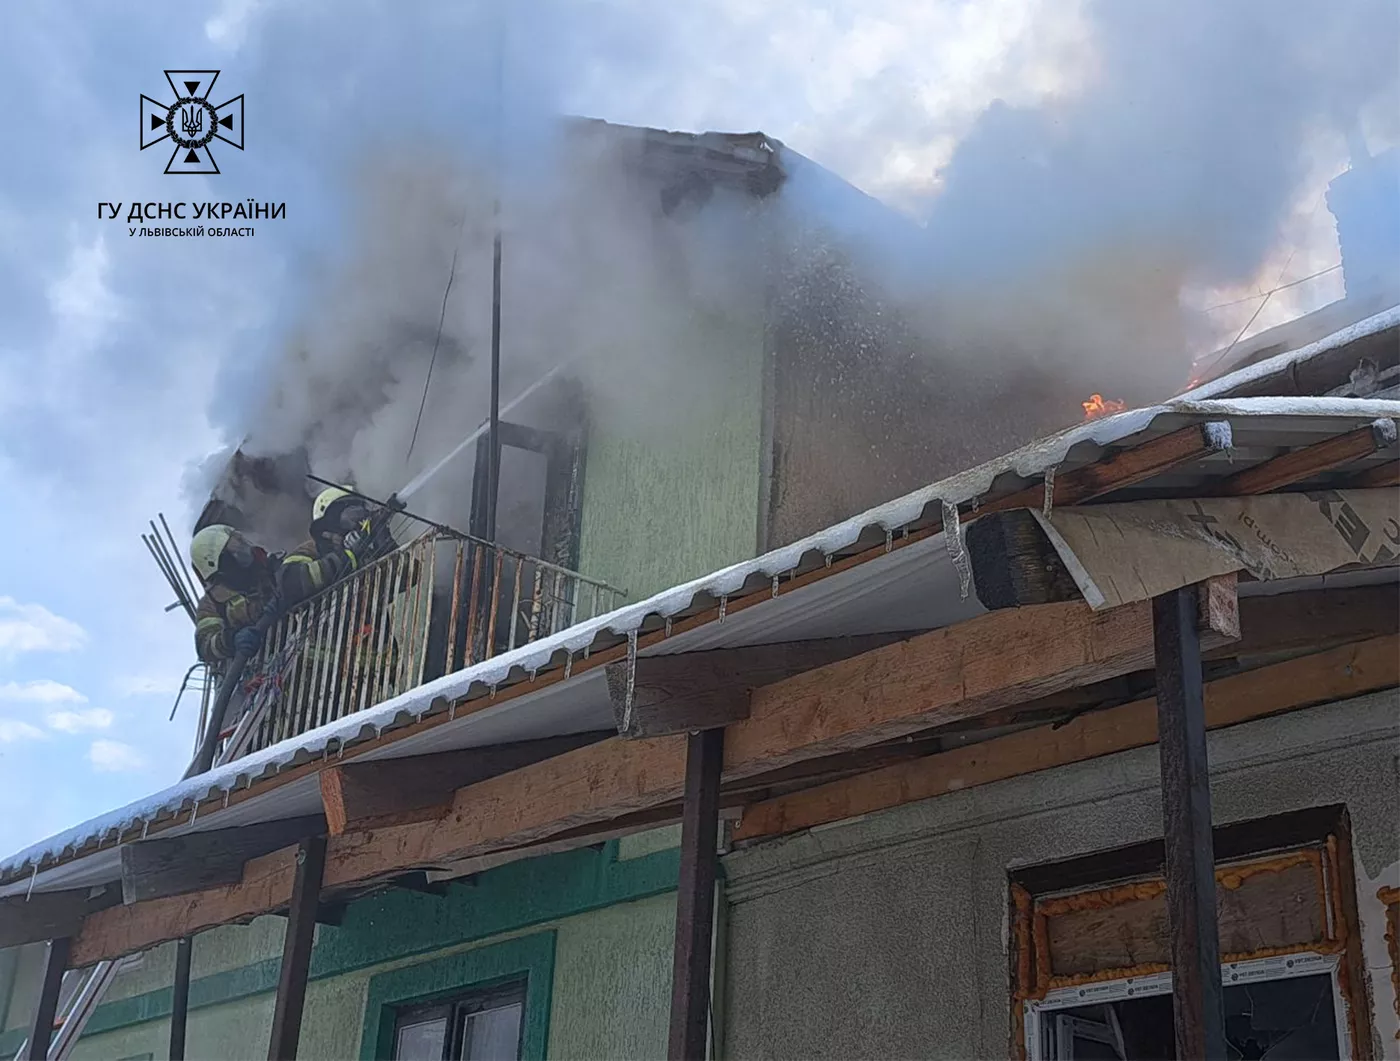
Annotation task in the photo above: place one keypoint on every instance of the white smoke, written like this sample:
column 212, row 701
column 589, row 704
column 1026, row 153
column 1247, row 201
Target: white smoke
column 1055, row 247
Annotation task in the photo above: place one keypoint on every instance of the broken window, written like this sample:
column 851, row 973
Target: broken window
column 1091, row 946
column 1282, row 1010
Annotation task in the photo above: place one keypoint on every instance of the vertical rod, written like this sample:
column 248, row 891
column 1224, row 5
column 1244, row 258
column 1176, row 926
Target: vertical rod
column 494, row 430
column 493, row 434
column 695, row 897
column 296, row 950
column 180, row 1002
column 55, row 965
column 452, row 606
column 1198, row 1013
column 495, row 604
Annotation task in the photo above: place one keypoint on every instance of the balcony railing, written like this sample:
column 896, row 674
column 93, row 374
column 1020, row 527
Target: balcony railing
column 435, row 605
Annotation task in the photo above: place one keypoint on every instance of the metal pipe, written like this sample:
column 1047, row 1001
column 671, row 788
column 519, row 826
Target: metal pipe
column 493, row 482
column 453, row 532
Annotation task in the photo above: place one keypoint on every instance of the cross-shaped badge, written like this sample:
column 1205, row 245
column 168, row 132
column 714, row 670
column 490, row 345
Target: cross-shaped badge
column 192, row 122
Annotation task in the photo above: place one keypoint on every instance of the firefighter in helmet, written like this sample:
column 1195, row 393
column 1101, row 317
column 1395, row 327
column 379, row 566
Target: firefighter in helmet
column 243, row 581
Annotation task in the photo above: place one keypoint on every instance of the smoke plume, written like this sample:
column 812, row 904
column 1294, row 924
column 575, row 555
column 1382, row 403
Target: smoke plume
column 1055, row 244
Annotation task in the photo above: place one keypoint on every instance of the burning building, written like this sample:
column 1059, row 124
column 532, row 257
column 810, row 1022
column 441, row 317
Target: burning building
column 702, row 754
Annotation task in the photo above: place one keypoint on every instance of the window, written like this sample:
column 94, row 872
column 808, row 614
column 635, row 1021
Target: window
column 478, row 1026
column 1274, row 1008
column 1091, row 971
column 490, row 1001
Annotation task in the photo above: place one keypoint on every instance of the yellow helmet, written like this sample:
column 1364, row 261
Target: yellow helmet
column 206, row 548
column 327, row 497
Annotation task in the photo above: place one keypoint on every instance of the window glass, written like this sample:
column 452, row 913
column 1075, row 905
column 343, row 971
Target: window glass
column 482, row 1025
column 421, row 1040
column 493, row 1034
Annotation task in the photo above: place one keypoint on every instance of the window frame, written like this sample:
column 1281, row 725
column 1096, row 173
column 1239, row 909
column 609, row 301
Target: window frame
column 458, row 1007
column 446, row 980
column 1255, row 970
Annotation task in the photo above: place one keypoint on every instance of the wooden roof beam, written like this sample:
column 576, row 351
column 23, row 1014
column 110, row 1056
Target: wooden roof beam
column 655, row 696
column 1336, row 674
column 152, row 869
column 50, row 915
column 978, row 666
column 367, row 795
column 1293, row 467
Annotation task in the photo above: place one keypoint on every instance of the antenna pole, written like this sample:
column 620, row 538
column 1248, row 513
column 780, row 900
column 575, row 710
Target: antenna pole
column 493, row 485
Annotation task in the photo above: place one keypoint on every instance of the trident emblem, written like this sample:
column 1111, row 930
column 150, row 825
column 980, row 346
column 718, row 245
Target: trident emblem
column 192, row 122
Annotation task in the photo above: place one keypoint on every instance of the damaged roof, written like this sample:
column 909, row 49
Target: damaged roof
column 888, row 569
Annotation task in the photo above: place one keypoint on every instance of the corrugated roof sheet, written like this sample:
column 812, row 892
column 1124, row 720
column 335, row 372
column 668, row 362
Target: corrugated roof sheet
column 913, row 587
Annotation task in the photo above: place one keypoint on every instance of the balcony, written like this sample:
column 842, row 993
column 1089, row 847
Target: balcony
column 437, row 604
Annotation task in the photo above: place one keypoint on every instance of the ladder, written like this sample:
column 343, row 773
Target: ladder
column 83, row 989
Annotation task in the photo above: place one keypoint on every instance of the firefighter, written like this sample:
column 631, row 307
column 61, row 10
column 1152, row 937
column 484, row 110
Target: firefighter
column 336, row 513
column 242, row 581
column 375, row 633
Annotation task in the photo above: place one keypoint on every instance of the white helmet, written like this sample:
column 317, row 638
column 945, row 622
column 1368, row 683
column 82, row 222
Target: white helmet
column 207, row 547
column 327, row 497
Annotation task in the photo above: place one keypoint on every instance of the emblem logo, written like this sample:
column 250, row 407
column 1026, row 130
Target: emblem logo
column 192, row 123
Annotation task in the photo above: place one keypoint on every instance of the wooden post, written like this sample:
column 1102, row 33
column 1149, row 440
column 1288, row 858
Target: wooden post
column 1199, row 1012
column 695, row 897
column 55, row 965
column 180, row 998
column 296, row 950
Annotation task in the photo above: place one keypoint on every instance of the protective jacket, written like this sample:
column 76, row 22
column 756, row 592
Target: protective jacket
column 293, row 578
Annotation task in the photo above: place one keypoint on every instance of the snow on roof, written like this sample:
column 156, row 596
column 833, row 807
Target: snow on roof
column 1362, row 329
column 1021, row 467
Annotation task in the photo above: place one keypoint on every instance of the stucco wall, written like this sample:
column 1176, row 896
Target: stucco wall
column 672, row 466
column 887, row 936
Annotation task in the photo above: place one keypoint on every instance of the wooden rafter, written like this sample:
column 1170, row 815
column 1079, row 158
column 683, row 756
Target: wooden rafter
column 367, row 795
column 1293, row 467
column 978, row 666
column 1335, row 674
column 1119, row 468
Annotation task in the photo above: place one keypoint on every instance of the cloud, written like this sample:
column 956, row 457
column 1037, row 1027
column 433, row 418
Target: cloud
column 42, row 691
column 80, row 721
column 112, row 756
column 33, row 628
column 12, row 729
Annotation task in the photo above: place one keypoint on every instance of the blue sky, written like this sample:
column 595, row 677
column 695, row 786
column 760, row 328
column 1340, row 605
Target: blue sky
column 124, row 361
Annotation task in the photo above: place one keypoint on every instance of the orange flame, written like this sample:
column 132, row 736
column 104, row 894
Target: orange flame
column 1098, row 406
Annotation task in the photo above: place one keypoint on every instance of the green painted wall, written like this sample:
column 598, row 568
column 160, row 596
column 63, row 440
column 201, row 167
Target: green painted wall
column 609, row 911
column 671, row 479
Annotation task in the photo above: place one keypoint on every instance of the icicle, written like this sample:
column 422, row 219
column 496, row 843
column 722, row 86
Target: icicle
column 668, row 626
column 491, row 691
column 631, row 680
column 145, row 827
column 953, row 539
column 227, row 793
column 32, row 878
column 452, row 710
column 828, row 559
column 534, row 673
column 976, row 502
column 1049, row 503
column 568, row 665
column 889, row 540
column 194, row 810
column 723, row 605
column 775, row 585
